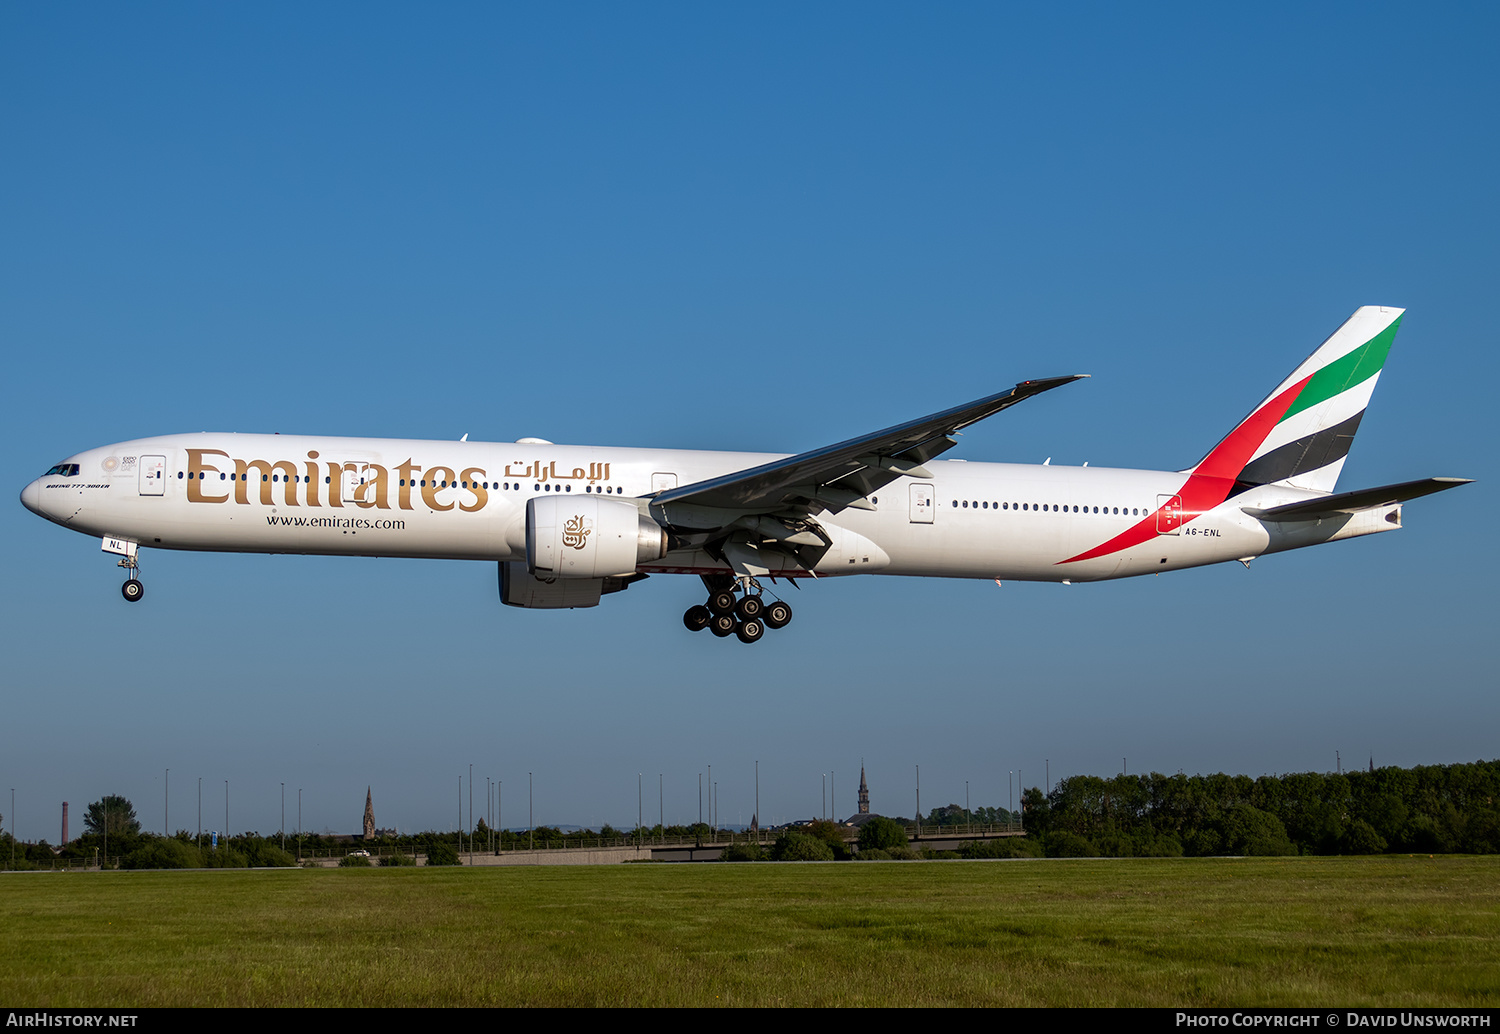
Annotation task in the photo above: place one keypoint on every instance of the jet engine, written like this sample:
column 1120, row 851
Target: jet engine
column 589, row 537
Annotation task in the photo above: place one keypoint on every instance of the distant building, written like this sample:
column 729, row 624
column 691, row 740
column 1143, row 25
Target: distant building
column 864, row 814
column 369, row 816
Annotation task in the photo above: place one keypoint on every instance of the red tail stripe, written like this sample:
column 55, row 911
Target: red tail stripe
column 1212, row 480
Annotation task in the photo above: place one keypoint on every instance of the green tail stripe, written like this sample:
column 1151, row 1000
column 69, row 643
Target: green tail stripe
column 1342, row 374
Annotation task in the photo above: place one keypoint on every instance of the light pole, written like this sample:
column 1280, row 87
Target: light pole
column 530, row 813
column 226, row 813
column 200, row 813
column 166, row 796
column 299, row 823
column 283, row 815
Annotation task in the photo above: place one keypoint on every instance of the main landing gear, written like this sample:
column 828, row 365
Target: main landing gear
column 746, row 616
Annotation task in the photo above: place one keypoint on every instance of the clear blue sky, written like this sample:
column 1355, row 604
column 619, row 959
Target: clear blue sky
column 765, row 228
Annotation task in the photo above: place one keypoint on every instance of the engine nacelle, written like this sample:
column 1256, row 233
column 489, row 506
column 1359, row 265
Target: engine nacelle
column 589, row 537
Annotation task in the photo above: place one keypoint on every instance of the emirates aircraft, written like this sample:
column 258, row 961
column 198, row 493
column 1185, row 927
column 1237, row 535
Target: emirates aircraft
column 568, row 524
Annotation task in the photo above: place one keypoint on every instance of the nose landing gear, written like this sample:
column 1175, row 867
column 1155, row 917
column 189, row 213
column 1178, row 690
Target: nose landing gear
column 745, row 616
column 132, row 590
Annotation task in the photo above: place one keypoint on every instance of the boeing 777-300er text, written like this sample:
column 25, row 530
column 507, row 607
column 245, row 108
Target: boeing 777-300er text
column 568, row 524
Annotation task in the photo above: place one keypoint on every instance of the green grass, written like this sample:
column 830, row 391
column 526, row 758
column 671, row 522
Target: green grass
column 1300, row 931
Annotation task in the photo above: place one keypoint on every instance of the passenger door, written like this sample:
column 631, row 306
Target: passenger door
column 922, row 504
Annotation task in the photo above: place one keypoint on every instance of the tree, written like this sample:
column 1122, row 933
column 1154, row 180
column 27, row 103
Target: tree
column 881, row 834
column 832, row 835
column 111, row 815
column 795, row 846
column 440, row 853
column 164, row 854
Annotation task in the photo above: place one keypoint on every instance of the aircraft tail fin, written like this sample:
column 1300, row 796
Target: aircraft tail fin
column 1300, row 435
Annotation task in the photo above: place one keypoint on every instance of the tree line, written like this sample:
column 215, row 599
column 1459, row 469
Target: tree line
column 1429, row 809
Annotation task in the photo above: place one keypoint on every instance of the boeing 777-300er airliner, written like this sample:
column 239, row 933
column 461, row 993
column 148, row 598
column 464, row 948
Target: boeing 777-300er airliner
column 568, row 524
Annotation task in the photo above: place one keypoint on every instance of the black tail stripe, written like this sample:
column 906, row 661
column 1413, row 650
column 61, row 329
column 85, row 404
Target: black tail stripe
column 1309, row 453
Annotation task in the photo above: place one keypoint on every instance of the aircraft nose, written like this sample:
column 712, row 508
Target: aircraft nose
column 31, row 498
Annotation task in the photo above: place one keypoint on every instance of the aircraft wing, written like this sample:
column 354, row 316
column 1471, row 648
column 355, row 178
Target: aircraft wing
column 839, row 476
column 1345, row 503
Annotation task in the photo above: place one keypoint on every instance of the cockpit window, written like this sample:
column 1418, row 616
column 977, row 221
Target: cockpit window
column 66, row 470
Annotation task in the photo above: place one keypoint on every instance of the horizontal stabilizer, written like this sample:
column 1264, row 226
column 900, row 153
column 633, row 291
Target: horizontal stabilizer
column 1349, row 502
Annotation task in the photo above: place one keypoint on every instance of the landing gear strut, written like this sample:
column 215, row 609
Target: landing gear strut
column 132, row 590
column 735, row 607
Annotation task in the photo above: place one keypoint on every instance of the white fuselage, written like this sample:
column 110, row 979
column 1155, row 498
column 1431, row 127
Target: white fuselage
column 467, row 500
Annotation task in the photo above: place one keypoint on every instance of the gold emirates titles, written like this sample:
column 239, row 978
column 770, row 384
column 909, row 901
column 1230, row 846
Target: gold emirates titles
column 375, row 490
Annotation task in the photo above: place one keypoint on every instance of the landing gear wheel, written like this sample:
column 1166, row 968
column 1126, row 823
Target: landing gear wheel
column 750, row 608
column 133, row 590
column 778, row 614
column 722, row 602
column 750, row 631
column 722, row 625
column 696, row 619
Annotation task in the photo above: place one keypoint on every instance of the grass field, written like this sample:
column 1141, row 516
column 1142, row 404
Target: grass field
column 1300, row 931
